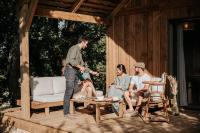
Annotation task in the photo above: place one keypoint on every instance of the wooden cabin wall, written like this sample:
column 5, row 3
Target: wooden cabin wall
column 140, row 33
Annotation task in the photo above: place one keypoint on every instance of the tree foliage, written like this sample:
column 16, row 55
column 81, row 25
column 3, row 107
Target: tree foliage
column 51, row 39
column 9, row 50
column 49, row 42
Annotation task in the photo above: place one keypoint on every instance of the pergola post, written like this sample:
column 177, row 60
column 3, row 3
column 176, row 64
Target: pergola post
column 24, row 63
column 25, row 19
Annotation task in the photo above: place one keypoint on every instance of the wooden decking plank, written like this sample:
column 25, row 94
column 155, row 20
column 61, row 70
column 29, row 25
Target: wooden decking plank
column 56, row 123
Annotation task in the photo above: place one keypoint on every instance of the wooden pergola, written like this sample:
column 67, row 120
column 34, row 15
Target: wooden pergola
column 91, row 11
column 138, row 30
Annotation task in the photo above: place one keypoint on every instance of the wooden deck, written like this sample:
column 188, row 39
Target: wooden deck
column 85, row 122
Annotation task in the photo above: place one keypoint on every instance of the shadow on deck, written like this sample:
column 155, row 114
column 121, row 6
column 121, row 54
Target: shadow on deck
column 188, row 121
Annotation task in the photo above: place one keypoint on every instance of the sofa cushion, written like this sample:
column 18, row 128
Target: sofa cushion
column 49, row 98
column 41, row 86
column 59, row 84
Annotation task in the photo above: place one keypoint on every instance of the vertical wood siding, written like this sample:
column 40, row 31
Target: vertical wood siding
column 143, row 37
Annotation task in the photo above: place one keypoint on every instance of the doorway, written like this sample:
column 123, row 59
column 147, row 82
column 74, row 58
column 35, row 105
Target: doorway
column 184, row 58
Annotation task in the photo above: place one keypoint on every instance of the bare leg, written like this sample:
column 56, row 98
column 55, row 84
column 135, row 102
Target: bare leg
column 128, row 100
column 90, row 84
column 89, row 91
column 84, row 86
column 139, row 102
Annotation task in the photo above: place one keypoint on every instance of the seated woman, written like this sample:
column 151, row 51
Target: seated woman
column 85, row 88
column 119, row 86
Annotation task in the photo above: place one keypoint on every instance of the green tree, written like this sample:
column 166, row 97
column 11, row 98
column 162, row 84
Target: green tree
column 49, row 42
column 51, row 39
column 9, row 51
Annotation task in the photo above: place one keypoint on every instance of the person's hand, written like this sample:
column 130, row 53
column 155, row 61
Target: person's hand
column 82, row 69
column 95, row 73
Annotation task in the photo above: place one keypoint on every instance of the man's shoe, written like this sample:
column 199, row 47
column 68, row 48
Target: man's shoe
column 72, row 116
column 66, row 115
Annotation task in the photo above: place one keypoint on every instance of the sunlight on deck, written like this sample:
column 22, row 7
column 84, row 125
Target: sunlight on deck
column 84, row 121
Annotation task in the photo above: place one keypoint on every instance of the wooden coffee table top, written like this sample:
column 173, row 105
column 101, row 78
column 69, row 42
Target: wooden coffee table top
column 94, row 101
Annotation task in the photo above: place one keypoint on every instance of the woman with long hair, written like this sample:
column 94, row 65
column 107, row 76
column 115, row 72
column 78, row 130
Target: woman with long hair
column 119, row 86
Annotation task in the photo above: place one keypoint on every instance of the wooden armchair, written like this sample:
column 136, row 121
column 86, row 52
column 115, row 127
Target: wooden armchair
column 157, row 98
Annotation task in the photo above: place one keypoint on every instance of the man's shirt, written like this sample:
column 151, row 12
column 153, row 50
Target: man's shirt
column 74, row 57
column 137, row 80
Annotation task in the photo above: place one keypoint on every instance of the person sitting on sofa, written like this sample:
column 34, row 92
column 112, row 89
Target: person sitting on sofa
column 119, row 86
column 86, row 86
column 141, row 89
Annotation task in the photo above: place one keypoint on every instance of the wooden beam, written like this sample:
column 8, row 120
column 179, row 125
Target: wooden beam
column 24, row 63
column 92, row 10
column 19, row 5
column 102, row 2
column 50, row 13
column 31, row 12
column 119, row 7
column 60, row 4
column 77, row 5
column 91, row 5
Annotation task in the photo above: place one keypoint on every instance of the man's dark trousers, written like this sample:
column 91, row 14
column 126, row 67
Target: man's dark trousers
column 71, row 75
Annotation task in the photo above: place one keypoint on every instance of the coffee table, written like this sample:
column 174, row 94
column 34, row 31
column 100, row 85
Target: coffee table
column 97, row 104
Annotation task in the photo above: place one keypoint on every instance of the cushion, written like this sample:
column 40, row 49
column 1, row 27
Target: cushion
column 155, row 88
column 156, row 91
column 59, row 84
column 49, row 98
column 41, row 86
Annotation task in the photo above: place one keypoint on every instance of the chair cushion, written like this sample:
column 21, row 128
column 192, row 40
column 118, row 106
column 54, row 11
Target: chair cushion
column 59, row 84
column 41, row 86
column 156, row 91
column 49, row 98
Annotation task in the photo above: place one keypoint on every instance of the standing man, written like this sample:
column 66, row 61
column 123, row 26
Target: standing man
column 74, row 66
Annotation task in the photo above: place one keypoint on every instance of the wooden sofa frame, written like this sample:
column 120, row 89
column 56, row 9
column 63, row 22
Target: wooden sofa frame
column 41, row 105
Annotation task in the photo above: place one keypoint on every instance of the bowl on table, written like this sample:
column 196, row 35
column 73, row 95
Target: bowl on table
column 115, row 99
column 100, row 98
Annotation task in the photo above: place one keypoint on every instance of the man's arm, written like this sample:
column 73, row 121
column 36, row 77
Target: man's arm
column 87, row 69
column 146, row 87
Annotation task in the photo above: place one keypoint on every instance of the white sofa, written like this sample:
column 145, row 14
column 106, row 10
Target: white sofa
column 47, row 92
column 48, row 89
